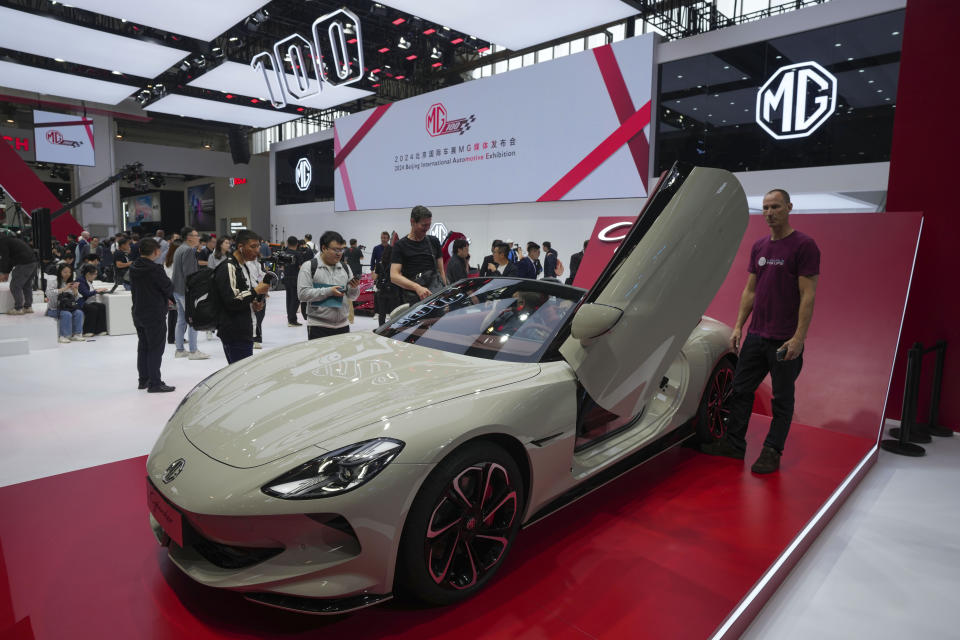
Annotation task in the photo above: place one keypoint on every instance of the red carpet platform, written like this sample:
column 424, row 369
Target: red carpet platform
column 668, row 550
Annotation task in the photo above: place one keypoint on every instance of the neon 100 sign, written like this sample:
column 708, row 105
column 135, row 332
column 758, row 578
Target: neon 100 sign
column 299, row 67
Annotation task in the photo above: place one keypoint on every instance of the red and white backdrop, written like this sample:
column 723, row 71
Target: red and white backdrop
column 570, row 129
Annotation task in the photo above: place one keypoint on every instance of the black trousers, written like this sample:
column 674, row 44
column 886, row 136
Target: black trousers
column 150, row 346
column 292, row 300
column 260, row 315
column 322, row 332
column 236, row 350
column 94, row 317
column 172, row 326
column 758, row 357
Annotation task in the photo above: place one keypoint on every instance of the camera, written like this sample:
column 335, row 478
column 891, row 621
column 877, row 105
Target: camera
column 284, row 257
column 362, row 247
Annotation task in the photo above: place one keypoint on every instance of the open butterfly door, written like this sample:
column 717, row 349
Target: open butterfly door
column 633, row 322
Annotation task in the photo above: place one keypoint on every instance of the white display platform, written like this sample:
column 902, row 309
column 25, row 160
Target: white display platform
column 119, row 312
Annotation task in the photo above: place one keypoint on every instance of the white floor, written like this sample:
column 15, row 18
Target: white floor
column 78, row 405
column 887, row 566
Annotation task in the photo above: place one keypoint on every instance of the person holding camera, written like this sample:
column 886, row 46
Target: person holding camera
column 62, row 304
column 325, row 284
column 240, row 298
column 416, row 261
column 18, row 264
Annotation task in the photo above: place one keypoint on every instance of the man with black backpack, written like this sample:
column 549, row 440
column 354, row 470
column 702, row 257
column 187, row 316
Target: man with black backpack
column 239, row 300
column 326, row 284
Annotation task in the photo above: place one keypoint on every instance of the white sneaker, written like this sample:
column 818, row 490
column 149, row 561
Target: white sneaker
column 197, row 355
column 76, row 338
column 28, row 309
column 182, row 353
column 15, row 312
column 63, row 340
column 102, row 333
column 88, row 335
column 258, row 345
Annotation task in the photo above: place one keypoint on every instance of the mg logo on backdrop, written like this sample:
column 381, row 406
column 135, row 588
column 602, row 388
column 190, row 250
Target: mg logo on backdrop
column 796, row 100
column 303, row 174
column 439, row 125
column 436, row 119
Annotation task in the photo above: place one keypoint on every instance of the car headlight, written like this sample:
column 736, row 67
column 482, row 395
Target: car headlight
column 335, row 472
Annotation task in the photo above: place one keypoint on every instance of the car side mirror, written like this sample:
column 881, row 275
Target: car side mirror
column 396, row 313
column 592, row 321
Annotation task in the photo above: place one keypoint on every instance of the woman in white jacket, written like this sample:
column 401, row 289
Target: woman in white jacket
column 71, row 320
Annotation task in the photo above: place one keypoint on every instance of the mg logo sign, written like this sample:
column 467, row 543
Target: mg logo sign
column 436, row 119
column 796, row 100
column 303, row 174
column 439, row 125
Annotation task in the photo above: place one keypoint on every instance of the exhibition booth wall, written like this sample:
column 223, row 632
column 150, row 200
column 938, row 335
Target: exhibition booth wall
column 922, row 178
column 247, row 201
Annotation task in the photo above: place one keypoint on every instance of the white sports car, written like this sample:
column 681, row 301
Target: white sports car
column 329, row 475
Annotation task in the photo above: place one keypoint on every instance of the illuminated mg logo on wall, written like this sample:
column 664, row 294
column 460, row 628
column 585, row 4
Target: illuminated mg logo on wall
column 303, row 174
column 796, row 100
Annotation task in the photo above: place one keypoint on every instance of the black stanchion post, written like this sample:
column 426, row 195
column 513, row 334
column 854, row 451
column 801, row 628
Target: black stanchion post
column 902, row 444
column 916, row 432
column 933, row 417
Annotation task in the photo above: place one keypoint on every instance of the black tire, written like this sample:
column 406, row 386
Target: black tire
column 711, row 416
column 455, row 541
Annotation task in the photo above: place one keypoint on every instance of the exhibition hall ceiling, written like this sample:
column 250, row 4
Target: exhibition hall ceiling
column 517, row 25
column 148, row 51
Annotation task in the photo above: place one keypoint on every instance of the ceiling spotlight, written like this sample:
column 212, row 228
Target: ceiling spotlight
column 404, row 43
column 200, row 62
column 435, row 54
column 373, row 77
column 185, row 65
column 254, row 22
column 10, row 121
column 233, row 38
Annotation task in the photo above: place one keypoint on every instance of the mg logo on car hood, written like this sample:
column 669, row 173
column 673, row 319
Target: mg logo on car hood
column 796, row 100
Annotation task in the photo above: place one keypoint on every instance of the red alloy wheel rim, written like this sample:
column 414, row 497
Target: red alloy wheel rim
column 470, row 527
column 721, row 386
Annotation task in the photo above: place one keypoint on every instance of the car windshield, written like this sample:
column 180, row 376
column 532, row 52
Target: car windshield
column 496, row 318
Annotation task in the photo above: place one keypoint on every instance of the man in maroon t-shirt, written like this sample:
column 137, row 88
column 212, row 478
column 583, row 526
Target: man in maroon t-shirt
column 780, row 293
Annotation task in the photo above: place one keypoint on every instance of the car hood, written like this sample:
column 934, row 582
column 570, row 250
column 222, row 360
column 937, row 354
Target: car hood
column 285, row 400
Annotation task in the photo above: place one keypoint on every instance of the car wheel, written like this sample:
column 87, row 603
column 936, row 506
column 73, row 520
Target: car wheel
column 461, row 525
column 714, row 406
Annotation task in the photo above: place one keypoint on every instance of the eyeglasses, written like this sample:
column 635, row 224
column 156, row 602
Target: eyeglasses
column 340, row 250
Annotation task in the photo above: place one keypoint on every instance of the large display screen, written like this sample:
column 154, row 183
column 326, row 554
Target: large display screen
column 63, row 138
column 305, row 174
column 201, row 207
column 815, row 98
column 570, row 129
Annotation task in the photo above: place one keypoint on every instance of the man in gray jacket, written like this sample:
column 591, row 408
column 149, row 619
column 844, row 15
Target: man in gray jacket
column 326, row 285
column 185, row 265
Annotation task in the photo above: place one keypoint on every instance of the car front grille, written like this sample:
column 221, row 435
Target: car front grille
column 226, row 556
